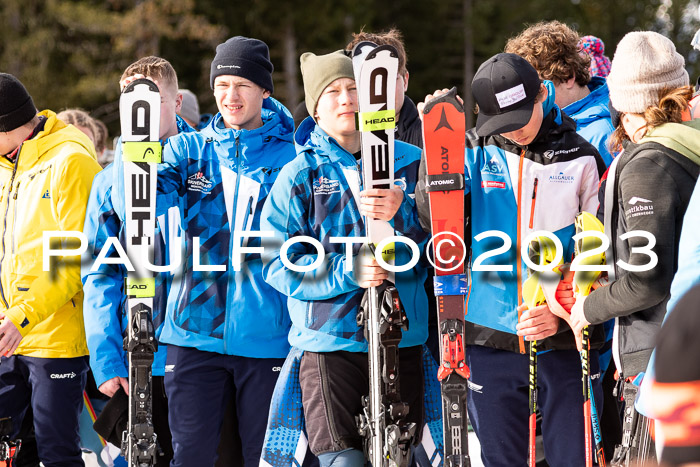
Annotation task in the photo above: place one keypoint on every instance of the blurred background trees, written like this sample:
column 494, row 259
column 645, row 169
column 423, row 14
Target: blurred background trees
column 70, row 53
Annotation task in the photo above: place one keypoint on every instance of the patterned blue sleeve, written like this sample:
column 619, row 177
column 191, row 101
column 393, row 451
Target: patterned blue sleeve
column 102, row 303
column 285, row 213
column 172, row 174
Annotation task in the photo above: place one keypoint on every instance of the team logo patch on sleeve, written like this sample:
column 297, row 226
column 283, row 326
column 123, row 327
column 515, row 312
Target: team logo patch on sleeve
column 198, row 182
column 325, row 186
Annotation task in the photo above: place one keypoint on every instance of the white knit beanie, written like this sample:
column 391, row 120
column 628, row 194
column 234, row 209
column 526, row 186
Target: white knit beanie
column 644, row 64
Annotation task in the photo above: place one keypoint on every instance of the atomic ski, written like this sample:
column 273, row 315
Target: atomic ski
column 387, row 436
column 139, row 108
column 443, row 140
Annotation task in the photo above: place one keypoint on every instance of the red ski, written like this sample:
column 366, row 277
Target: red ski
column 443, row 139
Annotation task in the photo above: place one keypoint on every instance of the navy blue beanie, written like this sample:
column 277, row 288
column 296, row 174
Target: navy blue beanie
column 244, row 57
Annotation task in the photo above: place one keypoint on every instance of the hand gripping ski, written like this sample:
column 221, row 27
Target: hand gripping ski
column 387, row 435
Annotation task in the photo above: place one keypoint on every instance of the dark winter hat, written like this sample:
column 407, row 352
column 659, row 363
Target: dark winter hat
column 318, row 71
column 505, row 88
column 244, row 57
column 16, row 105
column 675, row 393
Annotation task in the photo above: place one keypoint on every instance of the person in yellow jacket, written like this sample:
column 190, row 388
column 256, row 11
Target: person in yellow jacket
column 46, row 172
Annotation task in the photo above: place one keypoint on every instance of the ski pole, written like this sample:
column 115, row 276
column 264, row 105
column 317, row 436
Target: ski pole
column 583, row 282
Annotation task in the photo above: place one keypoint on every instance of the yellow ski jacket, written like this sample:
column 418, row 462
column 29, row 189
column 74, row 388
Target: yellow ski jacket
column 47, row 188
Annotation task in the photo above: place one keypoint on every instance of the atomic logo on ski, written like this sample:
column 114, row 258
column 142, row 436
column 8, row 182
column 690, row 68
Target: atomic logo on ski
column 443, row 123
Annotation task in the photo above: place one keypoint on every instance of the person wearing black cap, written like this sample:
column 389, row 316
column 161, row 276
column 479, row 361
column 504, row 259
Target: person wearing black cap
column 526, row 170
column 226, row 329
column 46, row 171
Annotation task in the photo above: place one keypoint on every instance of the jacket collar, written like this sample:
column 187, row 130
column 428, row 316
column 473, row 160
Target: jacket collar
column 277, row 124
column 311, row 137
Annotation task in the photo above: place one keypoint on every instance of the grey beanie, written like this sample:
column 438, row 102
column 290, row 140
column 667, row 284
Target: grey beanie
column 318, row 71
column 645, row 63
column 190, row 106
column 244, row 57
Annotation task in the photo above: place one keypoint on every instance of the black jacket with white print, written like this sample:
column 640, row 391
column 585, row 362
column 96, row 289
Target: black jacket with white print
column 653, row 185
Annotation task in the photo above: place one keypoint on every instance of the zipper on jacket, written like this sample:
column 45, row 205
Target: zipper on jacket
column 532, row 207
column 521, row 341
column 233, row 229
column 4, row 223
column 248, row 212
column 14, row 218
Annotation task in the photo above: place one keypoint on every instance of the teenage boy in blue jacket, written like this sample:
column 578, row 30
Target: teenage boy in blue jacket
column 319, row 195
column 104, row 302
column 226, row 329
column 526, row 169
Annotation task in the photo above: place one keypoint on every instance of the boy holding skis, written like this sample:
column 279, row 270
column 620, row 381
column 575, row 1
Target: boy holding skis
column 226, row 329
column 526, row 169
column 105, row 314
column 318, row 195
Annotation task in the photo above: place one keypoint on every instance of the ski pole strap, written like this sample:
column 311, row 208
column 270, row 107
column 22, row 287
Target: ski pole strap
column 453, row 284
column 375, row 121
column 444, row 182
column 140, row 288
column 142, row 151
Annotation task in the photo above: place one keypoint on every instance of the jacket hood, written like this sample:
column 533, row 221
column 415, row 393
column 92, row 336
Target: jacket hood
column 311, row 137
column 55, row 133
column 277, row 123
column 681, row 137
column 592, row 107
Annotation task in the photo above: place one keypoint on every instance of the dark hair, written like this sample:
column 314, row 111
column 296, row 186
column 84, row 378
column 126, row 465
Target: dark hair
column 391, row 37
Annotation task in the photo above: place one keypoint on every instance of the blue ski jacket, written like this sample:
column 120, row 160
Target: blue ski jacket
column 222, row 177
column 519, row 190
column 104, row 305
column 592, row 117
column 316, row 195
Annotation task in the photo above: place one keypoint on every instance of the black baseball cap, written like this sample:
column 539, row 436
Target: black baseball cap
column 505, row 87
